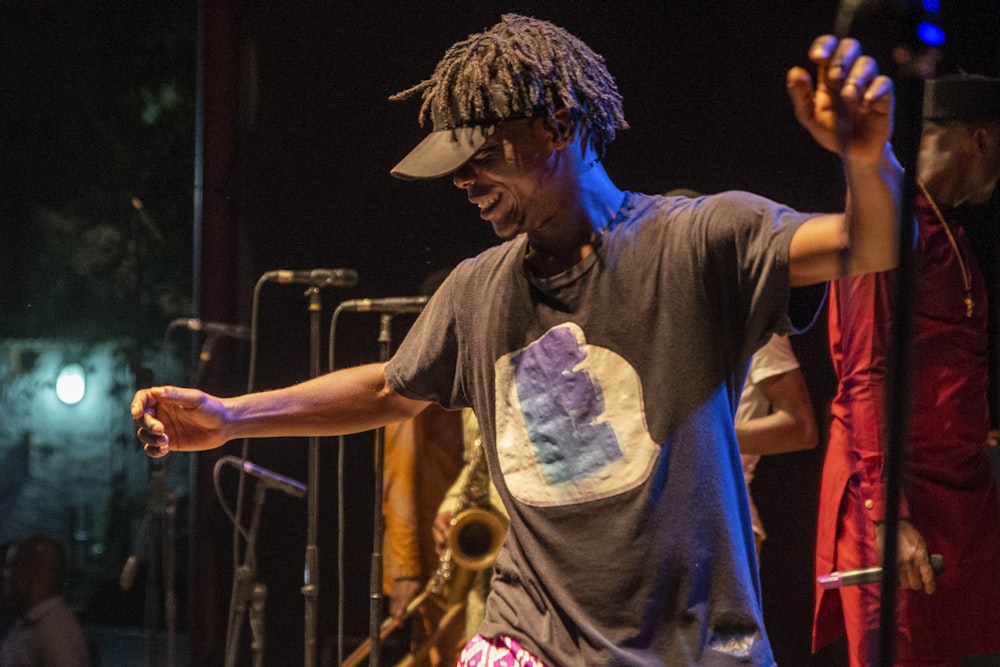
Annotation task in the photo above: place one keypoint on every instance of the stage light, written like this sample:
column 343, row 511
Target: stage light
column 71, row 385
column 930, row 34
column 928, row 31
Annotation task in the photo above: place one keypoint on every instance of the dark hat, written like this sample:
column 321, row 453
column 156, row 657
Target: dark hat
column 962, row 97
column 448, row 146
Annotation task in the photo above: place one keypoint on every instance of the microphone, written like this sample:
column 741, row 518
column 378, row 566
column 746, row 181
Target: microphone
column 396, row 304
column 215, row 328
column 315, row 277
column 868, row 575
column 271, row 479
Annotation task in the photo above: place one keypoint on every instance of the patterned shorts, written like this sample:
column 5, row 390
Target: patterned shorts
column 499, row 651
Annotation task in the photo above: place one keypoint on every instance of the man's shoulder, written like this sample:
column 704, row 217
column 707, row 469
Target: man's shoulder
column 472, row 268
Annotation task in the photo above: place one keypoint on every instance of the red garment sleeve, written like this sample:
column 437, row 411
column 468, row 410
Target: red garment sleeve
column 865, row 313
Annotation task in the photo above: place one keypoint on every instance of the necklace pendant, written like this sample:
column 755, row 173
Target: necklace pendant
column 966, row 278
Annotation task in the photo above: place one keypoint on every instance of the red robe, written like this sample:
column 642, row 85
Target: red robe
column 950, row 493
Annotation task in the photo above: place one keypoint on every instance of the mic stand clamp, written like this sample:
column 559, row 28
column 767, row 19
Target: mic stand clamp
column 258, row 598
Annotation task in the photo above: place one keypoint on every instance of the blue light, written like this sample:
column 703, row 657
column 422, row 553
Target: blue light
column 932, row 6
column 930, row 34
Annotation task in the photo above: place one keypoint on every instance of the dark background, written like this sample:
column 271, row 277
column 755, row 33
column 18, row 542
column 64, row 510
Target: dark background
column 293, row 140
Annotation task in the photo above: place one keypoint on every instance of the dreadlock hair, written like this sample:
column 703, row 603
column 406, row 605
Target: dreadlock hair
column 538, row 66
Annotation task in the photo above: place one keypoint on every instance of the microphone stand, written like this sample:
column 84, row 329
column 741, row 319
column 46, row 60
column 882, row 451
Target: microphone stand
column 247, row 591
column 375, row 588
column 153, row 519
column 155, row 539
column 909, row 103
column 204, row 356
column 310, row 577
column 169, row 575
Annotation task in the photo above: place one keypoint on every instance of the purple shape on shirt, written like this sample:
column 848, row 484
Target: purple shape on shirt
column 560, row 406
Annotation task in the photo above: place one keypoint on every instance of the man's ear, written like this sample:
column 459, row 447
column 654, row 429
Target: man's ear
column 986, row 139
column 981, row 140
column 562, row 125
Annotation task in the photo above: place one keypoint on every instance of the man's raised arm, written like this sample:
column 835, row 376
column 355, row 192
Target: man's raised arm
column 849, row 112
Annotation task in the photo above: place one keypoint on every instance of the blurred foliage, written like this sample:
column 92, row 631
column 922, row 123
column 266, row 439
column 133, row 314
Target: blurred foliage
column 97, row 127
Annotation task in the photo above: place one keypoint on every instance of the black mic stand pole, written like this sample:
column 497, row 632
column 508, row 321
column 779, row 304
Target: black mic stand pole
column 909, row 117
column 248, row 591
column 375, row 594
column 161, row 501
column 169, row 576
column 310, row 578
column 155, row 541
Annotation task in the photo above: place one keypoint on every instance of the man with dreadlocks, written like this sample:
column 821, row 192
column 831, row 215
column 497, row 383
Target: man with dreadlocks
column 602, row 346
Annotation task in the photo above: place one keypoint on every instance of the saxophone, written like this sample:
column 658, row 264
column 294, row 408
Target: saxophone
column 475, row 535
column 474, row 538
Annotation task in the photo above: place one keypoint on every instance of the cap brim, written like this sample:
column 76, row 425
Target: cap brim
column 442, row 152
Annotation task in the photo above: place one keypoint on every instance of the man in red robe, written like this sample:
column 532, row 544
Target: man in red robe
column 950, row 502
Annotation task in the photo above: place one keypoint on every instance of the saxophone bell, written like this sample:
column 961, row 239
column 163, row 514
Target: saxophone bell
column 475, row 538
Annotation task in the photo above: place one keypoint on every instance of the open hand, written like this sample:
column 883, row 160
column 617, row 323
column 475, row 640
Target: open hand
column 850, row 109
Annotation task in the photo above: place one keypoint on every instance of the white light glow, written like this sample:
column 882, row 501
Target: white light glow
column 71, row 384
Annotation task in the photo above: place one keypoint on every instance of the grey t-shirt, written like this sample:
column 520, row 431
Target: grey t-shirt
column 606, row 397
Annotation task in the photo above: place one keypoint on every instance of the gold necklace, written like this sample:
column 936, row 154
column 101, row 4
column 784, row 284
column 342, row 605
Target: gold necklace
column 966, row 280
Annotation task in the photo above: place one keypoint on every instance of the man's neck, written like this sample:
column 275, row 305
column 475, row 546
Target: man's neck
column 591, row 208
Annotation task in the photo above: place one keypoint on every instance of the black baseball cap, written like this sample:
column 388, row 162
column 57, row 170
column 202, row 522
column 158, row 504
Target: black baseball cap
column 448, row 146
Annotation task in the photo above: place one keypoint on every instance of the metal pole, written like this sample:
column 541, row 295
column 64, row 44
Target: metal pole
column 310, row 578
column 375, row 589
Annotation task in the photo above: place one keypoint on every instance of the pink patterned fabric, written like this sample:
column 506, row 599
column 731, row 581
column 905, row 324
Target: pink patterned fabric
column 499, row 651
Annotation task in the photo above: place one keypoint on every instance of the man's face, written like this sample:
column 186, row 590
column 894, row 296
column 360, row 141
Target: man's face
column 969, row 153
column 513, row 178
